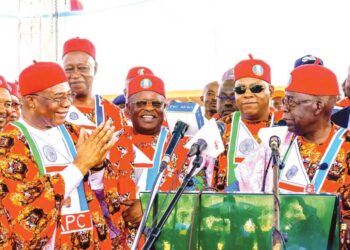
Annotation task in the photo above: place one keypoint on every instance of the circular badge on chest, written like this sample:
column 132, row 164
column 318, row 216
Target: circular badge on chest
column 50, row 153
column 246, row 146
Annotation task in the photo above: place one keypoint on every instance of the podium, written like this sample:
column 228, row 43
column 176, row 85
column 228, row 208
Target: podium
column 244, row 221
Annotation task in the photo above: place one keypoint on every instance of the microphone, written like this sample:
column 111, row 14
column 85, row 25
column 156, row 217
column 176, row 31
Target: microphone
column 197, row 147
column 178, row 133
column 274, row 142
column 211, row 133
column 188, row 112
column 281, row 123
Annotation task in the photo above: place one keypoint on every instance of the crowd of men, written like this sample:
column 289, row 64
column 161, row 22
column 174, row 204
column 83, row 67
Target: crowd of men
column 72, row 164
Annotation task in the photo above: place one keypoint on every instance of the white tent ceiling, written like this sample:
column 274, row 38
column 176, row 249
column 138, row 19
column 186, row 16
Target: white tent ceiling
column 191, row 42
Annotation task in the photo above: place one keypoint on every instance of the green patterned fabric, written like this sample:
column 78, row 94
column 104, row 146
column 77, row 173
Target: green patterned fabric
column 244, row 221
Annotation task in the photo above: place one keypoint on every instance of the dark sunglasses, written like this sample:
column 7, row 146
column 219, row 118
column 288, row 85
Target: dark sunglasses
column 143, row 103
column 224, row 97
column 240, row 90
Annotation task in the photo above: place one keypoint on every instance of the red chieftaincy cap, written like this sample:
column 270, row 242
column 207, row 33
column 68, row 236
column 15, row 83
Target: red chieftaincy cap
column 137, row 71
column 3, row 82
column 313, row 79
column 13, row 87
column 40, row 76
column 146, row 83
column 254, row 68
column 79, row 44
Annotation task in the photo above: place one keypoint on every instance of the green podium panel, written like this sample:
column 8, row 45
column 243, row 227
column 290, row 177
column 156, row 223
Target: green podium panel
column 244, row 221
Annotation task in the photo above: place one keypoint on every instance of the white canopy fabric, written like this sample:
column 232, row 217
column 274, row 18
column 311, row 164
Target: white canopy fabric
column 189, row 43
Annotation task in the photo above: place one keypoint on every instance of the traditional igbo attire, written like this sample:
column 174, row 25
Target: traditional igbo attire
column 241, row 136
column 114, row 184
column 240, row 139
column 149, row 150
column 90, row 118
column 308, row 167
column 44, row 200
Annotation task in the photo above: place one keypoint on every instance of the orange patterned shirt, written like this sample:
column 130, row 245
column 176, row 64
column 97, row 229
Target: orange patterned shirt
column 30, row 203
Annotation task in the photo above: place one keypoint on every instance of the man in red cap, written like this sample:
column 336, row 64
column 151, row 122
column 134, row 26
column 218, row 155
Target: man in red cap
column 45, row 202
column 253, row 91
column 145, row 104
column 324, row 148
column 316, row 156
column 136, row 71
column 88, row 110
column 132, row 73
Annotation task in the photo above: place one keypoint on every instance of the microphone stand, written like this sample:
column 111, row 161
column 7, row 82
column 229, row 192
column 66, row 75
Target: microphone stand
column 156, row 230
column 278, row 239
column 147, row 212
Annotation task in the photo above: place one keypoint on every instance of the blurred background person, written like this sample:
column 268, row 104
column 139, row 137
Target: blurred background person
column 208, row 98
column 16, row 101
column 276, row 100
column 226, row 103
column 5, row 103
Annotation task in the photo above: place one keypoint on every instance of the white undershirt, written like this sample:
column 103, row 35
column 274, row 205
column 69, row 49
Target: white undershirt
column 71, row 174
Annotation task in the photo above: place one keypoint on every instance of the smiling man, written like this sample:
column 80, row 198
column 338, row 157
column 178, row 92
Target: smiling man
column 145, row 104
column 89, row 111
column 253, row 91
column 45, row 202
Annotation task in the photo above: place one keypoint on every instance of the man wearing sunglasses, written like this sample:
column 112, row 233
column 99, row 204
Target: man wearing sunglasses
column 253, row 91
column 89, row 111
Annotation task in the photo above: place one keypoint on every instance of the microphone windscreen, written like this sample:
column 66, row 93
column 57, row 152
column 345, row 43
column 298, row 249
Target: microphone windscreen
column 281, row 123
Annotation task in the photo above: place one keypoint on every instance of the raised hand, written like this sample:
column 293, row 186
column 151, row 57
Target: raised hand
column 93, row 150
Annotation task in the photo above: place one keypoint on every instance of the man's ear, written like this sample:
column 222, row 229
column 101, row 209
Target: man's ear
column 127, row 109
column 319, row 107
column 201, row 98
column 272, row 90
column 30, row 100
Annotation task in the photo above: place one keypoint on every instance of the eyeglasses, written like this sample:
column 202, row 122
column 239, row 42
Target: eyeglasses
column 82, row 69
column 59, row 100
column 291, row 103
column 143, row 103
column 224, row 97
column 255, row 89
column 16, row 105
